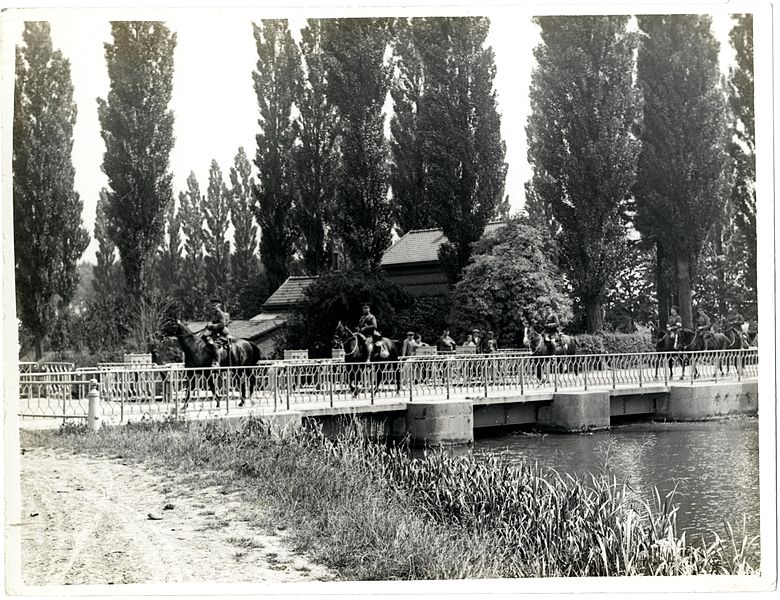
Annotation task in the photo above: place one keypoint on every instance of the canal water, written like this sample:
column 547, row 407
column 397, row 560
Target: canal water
column 713, row 464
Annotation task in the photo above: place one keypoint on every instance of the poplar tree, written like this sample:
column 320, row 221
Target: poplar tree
column 106, row 280
column 462, row 143
column 217, row 247
column 137, row 128
column 582, row 146
column 413, row 208
column 277, row 81
column 743, row 146
column 192, row 218
column 358, row 81
column 48, row 234
column 684, row 166
column 169, row 260
column 316, row 159
column 244, row 259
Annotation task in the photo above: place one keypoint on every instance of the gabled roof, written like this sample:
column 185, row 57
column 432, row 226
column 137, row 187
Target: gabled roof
column 422, row 245
column 247, row 330
column 290, row 293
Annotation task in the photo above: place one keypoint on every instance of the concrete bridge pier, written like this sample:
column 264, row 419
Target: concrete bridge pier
column 577, row 411
column 686, row 402
column 440, row 423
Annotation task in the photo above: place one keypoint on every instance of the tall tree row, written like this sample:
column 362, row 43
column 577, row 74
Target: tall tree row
column 48, row 233
column 316, row 159
column 137, row 128
column 277, row 81
column 217, row 247
column 582, row 146
column 684, row 167
column 448, row 155
column 358, row 79
column 743, row 146
column 413, row 207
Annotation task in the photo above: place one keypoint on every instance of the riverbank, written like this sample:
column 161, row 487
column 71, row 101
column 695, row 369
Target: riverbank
column 368, row 513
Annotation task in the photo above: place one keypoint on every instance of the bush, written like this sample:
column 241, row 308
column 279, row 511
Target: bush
column 613, row 343
column 427, row 315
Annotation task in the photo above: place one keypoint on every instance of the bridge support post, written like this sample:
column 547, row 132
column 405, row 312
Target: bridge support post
column 706, row 401
column 94, row 411
column 441, row 423
column 577, row 411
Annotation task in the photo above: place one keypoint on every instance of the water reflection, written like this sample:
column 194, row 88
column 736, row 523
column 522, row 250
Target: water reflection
column 713, row 465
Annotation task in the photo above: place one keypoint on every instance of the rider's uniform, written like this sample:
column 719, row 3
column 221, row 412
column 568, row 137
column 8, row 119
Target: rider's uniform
column 674, row 323
column 219, row 330
column 367, row 325
column 703, row 322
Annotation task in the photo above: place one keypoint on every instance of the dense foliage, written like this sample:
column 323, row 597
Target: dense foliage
column 137, row 128
column 684, row 167
column 508, row 280
column 277, row 81
column 582, row 145
column 338, row 296
column 358, row 79
column 48, row 235
column 374, row 513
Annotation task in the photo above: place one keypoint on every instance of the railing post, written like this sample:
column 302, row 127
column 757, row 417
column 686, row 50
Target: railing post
column 331, row 377
column 692, row 370
column 410, row 370
column 664, row 366
column 484, row 375
column 555, row 373
column 227, row 391
column 614, row 377
column 739, row 365
column 447, row 373
column 585, row 372
column 289, row 384
column 522, row 363
column 94, row 412
column 640, row 370
column 272, row 379
column 371, row 381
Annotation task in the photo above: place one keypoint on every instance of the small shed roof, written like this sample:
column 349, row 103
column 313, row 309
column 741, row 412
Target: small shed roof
column 290, row 293
column 247, row 330
column 422, row 245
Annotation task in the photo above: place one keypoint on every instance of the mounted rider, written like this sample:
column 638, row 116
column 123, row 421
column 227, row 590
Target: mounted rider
column 703, row 323
column 735, row 323
column 552, row 327
column 674, row 324
column 218, row 331
column 367, row 326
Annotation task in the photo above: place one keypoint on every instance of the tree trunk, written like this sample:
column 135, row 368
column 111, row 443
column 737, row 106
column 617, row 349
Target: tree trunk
column 38, row 346
column 721, row 274
column 684, row 290
column 595, row 317
column 662, row 287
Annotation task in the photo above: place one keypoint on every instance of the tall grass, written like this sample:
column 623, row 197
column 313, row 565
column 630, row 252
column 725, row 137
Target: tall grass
column 371, row 512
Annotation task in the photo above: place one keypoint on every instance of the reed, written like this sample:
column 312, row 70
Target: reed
column 370, row 511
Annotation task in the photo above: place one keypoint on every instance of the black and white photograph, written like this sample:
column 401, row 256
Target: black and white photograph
column 400, row 299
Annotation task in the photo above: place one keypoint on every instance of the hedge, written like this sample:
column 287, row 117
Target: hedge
column 613, row 343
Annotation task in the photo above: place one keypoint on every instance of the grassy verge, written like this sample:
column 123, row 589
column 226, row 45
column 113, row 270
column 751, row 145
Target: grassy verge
column 370, row 512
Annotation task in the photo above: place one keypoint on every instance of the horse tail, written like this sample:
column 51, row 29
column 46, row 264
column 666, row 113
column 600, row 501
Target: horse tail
column 256, row 354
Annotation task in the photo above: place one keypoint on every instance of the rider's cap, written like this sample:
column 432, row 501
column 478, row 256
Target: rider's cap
column 475, row 329
column 366, row 305
column 410, row 333
column 673, row 308
column 216, row 301
column 546, row 304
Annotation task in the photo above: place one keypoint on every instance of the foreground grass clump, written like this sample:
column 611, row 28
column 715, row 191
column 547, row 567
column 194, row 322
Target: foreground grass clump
column 371, row 512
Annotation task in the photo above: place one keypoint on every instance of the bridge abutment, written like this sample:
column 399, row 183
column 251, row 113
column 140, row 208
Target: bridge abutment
column 707, row 401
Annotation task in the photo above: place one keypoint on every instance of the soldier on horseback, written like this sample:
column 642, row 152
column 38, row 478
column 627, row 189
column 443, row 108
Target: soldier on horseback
column 703, row 323
column 673, row 324
column 552, row 328
column 367, row 326
column 218, row 331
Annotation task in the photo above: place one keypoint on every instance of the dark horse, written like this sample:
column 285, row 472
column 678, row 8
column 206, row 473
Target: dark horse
column 197, row 355
column 665, row 341
column 356, row 350
column 539, row 347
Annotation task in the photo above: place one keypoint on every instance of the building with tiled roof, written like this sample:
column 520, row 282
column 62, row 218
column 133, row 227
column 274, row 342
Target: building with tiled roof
column 264, row 332
column 289, row 295
column 413, row 261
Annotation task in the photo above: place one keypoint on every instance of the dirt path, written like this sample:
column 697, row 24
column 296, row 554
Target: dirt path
column 86, row 521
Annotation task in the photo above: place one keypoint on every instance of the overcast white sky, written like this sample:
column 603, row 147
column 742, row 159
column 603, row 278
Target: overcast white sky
column 213, row 97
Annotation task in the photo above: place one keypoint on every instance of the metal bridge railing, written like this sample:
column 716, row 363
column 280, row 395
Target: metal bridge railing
column 151, row 391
